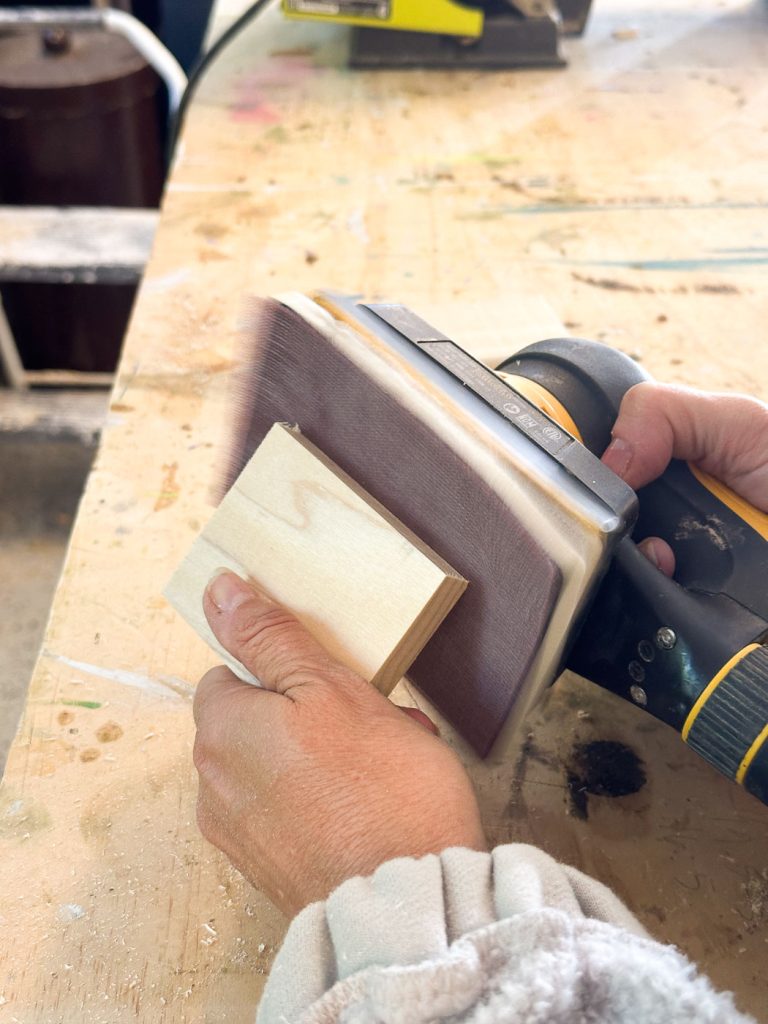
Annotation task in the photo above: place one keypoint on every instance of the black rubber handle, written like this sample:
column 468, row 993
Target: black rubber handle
column 667, row 645
column 588, row 378
column 656, row 644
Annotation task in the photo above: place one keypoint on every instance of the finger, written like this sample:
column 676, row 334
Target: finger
column 726, row 435
column 421, row 718
column 265, row 637
column 659, row 553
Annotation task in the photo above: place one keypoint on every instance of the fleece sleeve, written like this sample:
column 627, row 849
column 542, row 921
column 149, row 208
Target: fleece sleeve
column 510, row 937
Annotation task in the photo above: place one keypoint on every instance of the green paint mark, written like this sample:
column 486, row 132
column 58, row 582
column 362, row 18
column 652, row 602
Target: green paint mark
column 496, row 163
column 93, row 705
column 277, row 134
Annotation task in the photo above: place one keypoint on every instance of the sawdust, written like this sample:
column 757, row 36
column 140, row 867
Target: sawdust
column 755, row 891
column 714, row 528
column 21, row 817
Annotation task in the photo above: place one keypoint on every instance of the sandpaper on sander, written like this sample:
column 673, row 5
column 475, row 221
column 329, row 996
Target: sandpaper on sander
column 500, row 473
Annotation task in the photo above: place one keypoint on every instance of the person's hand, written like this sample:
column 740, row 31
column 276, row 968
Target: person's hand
column 317, row 777
column 724, row 435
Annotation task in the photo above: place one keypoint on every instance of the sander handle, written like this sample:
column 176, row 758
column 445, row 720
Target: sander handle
column 690, row 650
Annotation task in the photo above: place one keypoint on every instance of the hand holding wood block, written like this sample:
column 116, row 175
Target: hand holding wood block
column 303, row 531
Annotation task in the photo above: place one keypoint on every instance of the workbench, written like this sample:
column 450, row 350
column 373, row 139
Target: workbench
column 624, row 197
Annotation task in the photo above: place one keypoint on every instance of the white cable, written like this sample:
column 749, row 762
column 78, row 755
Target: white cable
column 152, row 50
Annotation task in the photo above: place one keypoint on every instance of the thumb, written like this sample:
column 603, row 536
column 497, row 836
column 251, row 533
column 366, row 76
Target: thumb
column 725, row 435
column 265, row 637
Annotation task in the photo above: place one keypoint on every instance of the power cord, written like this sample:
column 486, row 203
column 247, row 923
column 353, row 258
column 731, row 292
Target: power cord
column 203, row 64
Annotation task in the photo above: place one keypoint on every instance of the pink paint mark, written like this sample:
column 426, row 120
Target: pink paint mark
column 276, row 75
column 285, row 70
column 254, row 109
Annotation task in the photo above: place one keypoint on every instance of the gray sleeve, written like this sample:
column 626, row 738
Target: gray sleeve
column 510, row 936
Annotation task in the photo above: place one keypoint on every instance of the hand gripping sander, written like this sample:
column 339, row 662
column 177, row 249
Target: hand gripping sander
column 500, row 473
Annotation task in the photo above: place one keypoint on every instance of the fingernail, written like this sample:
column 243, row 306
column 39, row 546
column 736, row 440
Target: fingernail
column 618, row 456
column 228, row 591
column 651, row 552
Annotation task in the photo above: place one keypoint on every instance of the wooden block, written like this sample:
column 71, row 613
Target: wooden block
column 294, row 523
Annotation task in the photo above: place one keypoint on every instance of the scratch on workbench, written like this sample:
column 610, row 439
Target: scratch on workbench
column 159, row 686
column 692, row 264
column 233, row 190
column 165, row 282
column 356, row 225
column 552, row 206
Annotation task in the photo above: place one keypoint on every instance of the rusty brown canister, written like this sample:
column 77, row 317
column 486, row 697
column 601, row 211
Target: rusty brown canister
column 81, row 123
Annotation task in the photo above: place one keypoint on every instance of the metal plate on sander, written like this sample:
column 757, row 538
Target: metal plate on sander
column 475, row 664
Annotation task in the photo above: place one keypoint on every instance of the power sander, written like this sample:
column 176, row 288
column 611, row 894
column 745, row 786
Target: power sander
column 451, row 33
column 499, row 472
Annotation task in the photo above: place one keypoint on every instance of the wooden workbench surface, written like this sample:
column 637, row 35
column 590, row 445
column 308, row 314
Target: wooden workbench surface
column 626, row 195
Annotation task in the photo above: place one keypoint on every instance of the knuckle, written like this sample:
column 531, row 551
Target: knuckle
column 276, row 646
column 266, row 631
column 323, row 673
column 644, row 396
column 351, row 689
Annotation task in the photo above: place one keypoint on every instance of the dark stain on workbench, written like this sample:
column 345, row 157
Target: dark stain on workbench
column 602, row 768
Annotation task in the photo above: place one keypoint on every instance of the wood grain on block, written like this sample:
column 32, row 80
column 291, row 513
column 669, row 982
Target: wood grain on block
column 476, row 665
column 301, row 529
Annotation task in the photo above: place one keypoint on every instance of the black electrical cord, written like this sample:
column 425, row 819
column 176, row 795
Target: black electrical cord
column 203, row 64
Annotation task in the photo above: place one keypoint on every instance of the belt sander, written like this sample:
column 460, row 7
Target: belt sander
column 449, row 33
column 499, row 472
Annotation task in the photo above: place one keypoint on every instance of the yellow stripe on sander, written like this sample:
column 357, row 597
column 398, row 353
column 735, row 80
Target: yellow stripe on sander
column 710, row 688
column 752, row 516
column 544, row 400
column 751, row 754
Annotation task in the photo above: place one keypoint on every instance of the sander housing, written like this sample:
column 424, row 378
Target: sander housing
column 499, row 471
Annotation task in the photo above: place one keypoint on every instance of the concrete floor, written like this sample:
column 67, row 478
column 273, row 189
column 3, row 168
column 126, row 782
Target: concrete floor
column 47, row 442
column 29, row 571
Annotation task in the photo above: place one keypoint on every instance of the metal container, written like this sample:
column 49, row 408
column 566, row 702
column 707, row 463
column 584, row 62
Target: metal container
column 81, row 118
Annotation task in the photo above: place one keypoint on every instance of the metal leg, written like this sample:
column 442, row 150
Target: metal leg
column 10, row 360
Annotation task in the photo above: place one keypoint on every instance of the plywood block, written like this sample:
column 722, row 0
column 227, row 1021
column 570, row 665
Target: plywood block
column 307, row 534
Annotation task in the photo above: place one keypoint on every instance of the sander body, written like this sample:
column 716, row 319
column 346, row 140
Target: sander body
column 499, row 471
column 451, row 33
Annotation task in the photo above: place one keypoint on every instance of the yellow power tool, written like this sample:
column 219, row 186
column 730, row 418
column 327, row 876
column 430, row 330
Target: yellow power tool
column 447, row 33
